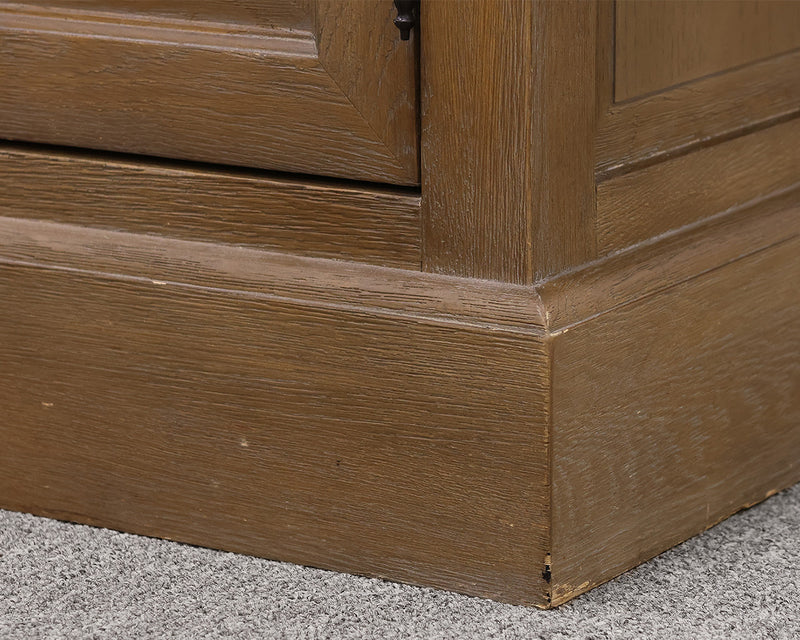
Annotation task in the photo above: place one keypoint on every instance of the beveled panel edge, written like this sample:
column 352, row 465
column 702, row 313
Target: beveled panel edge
column 645, row 131
column 552, row 306
column 329, row 136
column 143, row 28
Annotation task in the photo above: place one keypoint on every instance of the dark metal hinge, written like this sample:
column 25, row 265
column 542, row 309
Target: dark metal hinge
column 407, row 13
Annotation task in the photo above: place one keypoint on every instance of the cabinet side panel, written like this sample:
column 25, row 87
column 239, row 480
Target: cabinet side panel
column 643, row 204
column 662, row 43
column 672, row 412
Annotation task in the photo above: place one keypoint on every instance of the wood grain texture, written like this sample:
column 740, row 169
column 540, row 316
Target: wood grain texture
column 660, row 43
column 587, row 396
column 326, row 283
column 648, row 268
column 359, row 47
column 672, row 412
column 193, row 90
column 676, row 388
column 508, row 167
column 261, row 370
column 636, row 206
column 698, row 114
column 339, row 436
column 378, row 226
column 259, row 14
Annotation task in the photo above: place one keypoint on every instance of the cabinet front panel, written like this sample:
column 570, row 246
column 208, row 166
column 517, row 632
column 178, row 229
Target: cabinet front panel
column 662, row 43
column 309, row 86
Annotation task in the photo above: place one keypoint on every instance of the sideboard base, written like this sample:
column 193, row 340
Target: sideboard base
column 518, row 443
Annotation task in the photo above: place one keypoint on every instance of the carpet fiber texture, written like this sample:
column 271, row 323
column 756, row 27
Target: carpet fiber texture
column 739, row 580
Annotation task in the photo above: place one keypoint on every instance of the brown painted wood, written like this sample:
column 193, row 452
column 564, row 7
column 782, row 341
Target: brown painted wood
column 326, row 283
column 676, row 389
column 689, row 117
column 494, row 206
column 661, row 43
column 603, row 384
column 270, row 14
column 645, row 269
column 359, row 47
column 378, row 226
column 636, row 206
column 262, row 370
column 266, row 95
column 672, row 412
column 349, row 437
column 671, row 157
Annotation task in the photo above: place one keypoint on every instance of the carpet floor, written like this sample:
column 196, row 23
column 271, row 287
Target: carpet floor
column 741, row 579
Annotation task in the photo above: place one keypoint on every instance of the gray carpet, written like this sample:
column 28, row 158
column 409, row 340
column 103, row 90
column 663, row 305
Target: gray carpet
column 57, row 580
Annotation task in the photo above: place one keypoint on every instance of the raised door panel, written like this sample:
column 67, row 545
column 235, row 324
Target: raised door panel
column 307, row 86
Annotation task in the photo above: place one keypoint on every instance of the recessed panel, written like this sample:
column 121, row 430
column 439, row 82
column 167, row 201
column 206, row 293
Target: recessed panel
column 659, row 44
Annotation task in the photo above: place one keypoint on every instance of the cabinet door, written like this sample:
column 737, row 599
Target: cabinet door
column 310, row 86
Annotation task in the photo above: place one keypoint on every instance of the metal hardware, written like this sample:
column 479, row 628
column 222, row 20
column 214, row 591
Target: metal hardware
column 406, row 19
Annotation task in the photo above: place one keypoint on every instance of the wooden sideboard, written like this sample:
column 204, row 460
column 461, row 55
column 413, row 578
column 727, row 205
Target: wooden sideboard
column 507, row 308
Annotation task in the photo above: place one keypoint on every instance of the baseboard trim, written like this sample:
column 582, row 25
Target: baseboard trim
column 519, row 443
